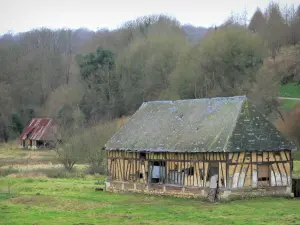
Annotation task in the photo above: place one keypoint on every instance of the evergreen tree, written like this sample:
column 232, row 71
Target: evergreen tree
column 258, row 22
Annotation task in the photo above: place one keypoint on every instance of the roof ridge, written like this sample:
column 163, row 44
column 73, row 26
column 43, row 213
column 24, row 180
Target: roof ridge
column 237, row 97
column 233, row 127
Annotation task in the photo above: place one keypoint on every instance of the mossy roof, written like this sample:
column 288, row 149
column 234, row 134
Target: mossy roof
column 229, row 124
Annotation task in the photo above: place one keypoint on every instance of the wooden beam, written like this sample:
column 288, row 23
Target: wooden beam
column 227, row 170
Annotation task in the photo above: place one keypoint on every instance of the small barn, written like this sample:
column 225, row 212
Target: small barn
column 216, row 148
column 39, row 133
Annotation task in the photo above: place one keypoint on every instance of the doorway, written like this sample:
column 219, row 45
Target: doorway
column 213, row 174
column 157, row 171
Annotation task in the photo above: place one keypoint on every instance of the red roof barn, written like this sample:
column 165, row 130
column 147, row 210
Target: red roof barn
column 40, row 132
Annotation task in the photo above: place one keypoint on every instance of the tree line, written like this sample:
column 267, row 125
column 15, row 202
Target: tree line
column 80, row 77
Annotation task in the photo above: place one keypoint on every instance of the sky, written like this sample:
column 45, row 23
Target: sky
column 24, row 15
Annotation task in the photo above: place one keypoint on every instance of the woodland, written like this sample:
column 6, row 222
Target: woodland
column 83, row 78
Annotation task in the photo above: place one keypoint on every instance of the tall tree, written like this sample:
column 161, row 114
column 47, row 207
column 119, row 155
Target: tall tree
column 5, row 111
column 98, row 71
column 146, row 64
column 276, row 29
column 258, row 22
column 221, row 65
column 290, row 126
column 295, row 27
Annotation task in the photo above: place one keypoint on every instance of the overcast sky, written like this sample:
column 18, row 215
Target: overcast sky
column 23, row 15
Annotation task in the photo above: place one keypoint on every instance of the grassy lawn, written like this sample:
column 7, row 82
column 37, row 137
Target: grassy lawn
column 75, row 201
column 290, row 90
column 296, row 172
column 36, row 198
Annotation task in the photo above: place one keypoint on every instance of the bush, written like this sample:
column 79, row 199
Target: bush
column 61, row 173
column 8, row 171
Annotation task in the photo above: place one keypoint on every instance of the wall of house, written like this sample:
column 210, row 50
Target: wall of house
column 255, row 170
column 188, row 174
column 180, row 168
column 29, row 144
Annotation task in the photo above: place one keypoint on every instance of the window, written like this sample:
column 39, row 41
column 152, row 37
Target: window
column 213, row 169
column 157, row 171
column 263, row 172
column 189, row 171
column 201, row 174
column 142, row 156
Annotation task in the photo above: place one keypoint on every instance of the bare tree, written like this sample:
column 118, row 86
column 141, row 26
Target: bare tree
column 5, row 111
column 70, row 150
column 95, row 139
column 276, row 29
column 291, row 125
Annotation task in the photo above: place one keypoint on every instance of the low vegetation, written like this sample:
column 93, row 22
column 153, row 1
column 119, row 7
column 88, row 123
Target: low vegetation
column 290, row 90
column 41, row 193
column 75, row 201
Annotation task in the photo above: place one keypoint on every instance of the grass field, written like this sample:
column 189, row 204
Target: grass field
column 75, row 201
column 38, row 199
column 292, row 91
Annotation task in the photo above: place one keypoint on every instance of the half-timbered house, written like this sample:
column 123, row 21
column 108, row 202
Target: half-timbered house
column 219, row 147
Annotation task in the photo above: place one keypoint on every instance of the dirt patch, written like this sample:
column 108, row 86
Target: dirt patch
column 34, row 200
column 78, row 205
column 34, row 166
column 16, row 161
column 29, row 174
column 58, row 204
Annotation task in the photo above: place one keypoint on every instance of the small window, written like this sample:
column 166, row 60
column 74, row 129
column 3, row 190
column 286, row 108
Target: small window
column 157, row 171
column 212, row 169
column 158, row 163
column 142, row 156
column 190, row 171
column 222, row 182
column 141, row 176
column 263, row 172
column 201, row 174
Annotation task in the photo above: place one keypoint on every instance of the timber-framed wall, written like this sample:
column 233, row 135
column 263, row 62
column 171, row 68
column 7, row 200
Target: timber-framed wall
column 188, row 174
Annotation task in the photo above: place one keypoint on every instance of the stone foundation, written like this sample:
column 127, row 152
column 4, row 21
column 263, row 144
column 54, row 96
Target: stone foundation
column 195, row 192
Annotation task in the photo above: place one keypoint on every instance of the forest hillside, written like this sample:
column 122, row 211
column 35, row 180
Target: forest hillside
column 81, row 78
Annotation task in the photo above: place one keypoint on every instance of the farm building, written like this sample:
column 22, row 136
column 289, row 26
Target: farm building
column 39, row 133
column 216, row 148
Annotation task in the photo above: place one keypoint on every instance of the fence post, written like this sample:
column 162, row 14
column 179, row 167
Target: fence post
column 8, row 188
